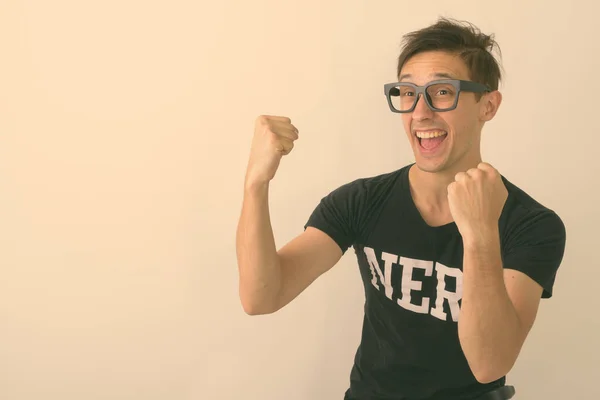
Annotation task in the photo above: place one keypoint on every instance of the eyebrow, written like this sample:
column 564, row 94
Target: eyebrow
column 437, row 75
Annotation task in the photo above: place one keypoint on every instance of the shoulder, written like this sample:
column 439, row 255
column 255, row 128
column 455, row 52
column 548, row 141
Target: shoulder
column 533, row 237
column 345, row 211
column 526, row 217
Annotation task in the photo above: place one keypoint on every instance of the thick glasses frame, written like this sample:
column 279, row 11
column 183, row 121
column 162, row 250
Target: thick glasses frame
column 391, row 90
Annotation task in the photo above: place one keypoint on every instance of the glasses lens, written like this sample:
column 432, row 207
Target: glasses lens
column 403, row 97
column 442, row 96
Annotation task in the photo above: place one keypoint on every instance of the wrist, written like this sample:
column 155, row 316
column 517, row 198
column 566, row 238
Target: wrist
column 255, row 186
column 484, row 239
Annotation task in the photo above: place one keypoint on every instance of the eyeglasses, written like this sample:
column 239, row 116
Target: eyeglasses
column 440, row 95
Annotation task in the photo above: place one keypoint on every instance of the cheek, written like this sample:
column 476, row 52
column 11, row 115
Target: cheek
column 406, row 120
column 462, row 123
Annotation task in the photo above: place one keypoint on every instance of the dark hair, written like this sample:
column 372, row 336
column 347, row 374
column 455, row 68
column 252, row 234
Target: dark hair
column 461, row 38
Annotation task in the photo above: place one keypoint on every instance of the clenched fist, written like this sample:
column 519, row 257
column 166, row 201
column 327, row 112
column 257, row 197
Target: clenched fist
column 476, row 199
column 273, row 138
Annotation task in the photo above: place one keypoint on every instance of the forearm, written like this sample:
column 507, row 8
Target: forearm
column 489, row 327
column 258, row 262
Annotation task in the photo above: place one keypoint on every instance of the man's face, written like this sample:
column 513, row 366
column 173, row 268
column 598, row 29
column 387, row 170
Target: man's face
column 460, row 129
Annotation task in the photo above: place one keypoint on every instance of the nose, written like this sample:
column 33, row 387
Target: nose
column 422, row 110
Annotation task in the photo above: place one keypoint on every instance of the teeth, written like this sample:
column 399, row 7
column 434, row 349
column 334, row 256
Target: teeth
column 429, row 135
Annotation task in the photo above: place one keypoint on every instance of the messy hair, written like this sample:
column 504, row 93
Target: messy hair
column 457, row 37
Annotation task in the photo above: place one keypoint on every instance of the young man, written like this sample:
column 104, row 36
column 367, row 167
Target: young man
column 454, row 258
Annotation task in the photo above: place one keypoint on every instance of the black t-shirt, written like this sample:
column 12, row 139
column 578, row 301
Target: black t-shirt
column 412, row 276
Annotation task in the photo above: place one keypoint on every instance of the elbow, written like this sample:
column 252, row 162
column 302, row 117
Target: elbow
column 485, row 377
column 250, row 310
column 254, row 309
column 490, row 373
column 258, row 299
column 255, row 306
column 491, row 365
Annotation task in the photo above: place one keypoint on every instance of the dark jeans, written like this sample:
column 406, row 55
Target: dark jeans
column 501, row 393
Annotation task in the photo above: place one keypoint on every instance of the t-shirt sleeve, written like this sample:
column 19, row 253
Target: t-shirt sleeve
column 339, row 213
column 537, row 248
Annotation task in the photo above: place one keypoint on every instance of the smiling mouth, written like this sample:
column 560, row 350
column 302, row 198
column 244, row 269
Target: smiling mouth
column 430, row 140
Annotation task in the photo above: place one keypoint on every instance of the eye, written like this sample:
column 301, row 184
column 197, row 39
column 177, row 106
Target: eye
column 441, row 90
column 444, row 92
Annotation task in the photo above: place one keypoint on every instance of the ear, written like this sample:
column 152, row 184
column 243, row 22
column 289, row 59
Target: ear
column 489, row 104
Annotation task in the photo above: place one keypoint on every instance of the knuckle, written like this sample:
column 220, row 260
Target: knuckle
column 484, row 166
column 475, row 172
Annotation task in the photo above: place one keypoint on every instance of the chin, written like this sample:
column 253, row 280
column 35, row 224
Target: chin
column 430, row 166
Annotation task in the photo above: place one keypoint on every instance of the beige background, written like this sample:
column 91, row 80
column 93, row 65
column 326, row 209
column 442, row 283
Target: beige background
column 124, row 133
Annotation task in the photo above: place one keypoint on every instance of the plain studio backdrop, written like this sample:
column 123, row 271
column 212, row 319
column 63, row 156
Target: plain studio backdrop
column 125, row 129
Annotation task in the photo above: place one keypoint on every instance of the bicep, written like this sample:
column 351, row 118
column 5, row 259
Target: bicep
column 304, row 259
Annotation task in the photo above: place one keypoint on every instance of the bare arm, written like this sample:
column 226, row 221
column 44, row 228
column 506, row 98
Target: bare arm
column 499, row 306
column 498, row 310
column 270, row 279
column 258, row 263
